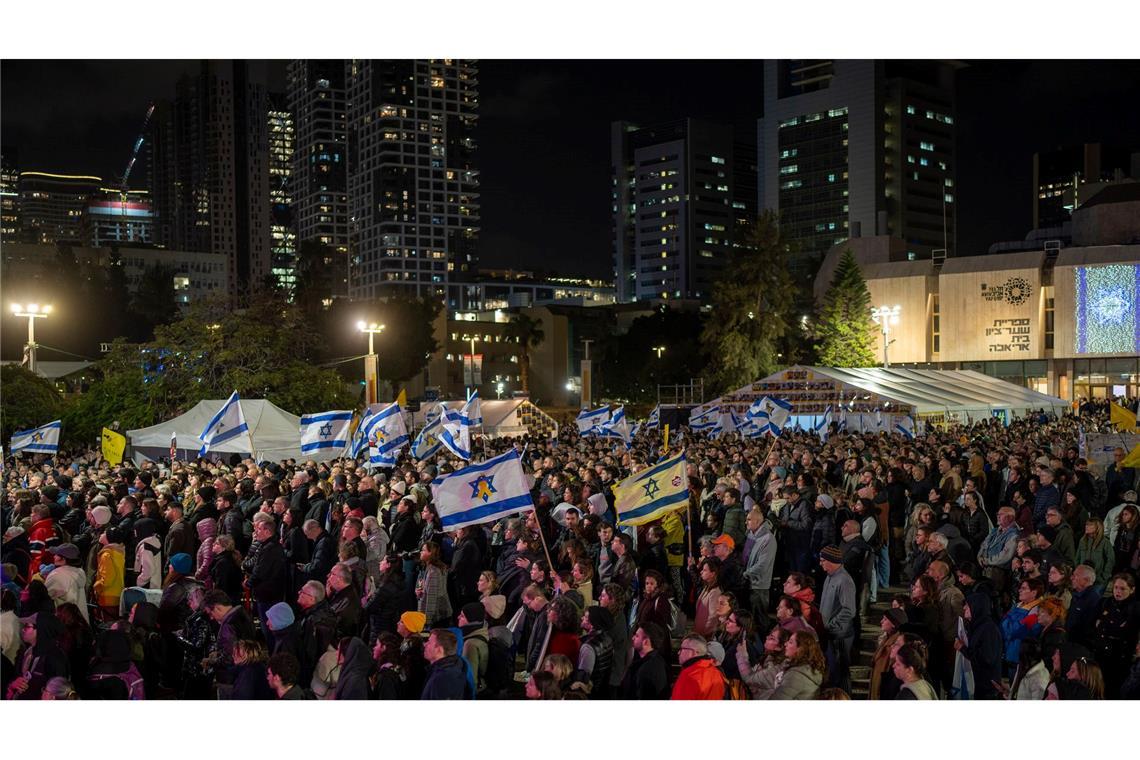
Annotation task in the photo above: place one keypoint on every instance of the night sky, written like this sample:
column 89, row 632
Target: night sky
column 544, row 134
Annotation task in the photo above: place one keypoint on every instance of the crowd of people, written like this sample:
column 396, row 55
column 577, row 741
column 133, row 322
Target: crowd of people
column 305, row 580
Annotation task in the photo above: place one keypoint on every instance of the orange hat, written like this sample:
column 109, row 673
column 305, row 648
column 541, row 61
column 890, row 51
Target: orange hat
column 725, row 539
column 414, row 621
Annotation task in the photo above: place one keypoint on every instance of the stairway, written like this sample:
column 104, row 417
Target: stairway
column 867, row 642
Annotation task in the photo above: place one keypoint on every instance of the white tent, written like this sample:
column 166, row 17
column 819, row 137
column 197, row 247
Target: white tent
column 868, row 394
column 276, row 433
column 501, row 417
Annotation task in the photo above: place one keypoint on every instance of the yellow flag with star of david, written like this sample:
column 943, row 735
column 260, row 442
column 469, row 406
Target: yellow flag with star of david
column 650, row 494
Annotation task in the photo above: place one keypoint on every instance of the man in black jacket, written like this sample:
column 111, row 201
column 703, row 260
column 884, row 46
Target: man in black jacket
column 318, row 628
column 324, row 554
column 268, row 578
column 344, row 601
column 1083, row 607
column 648, row 676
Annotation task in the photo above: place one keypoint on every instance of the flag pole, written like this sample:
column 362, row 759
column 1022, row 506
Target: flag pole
column 542, row 538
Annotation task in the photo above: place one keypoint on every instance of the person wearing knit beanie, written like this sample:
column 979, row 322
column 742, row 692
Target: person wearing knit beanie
column 413, row 623
column 831, row 553
column 101, row 515
column 182, row 563
column 279, row 616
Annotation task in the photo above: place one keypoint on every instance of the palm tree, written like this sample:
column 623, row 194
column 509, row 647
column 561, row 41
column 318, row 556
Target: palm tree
column 527, row 332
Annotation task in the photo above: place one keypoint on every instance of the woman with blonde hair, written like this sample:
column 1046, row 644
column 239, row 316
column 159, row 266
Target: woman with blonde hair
column 804, row 668
column 249, row 671
column 1095, row 550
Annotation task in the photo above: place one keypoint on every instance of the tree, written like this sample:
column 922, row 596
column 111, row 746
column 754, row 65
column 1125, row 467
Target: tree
column 527, row 333
column 752, row 301
column 844, row 325
column 633, row 369
column 28, row 400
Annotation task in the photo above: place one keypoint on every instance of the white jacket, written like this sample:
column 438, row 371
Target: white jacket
column 148, row 564
column 68, row 584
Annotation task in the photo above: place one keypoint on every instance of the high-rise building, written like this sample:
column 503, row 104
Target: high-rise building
column 9, row 196
column 412, row 176
column 849, row 147
column 318, row 100
column 209, row 172
column 1057, row 172
column 283, row 245
column 51, row 206
column 676, row 206
column 113, row 217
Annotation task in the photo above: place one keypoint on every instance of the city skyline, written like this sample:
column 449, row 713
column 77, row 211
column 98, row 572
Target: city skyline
column 543, row 135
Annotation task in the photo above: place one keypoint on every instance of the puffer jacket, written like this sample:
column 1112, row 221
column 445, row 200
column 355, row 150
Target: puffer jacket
column 207, row 530
column 1019, row 623
column 109, row 578
column 798, row 682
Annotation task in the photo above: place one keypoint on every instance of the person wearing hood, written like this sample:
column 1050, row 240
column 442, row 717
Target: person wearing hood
column 113, row 675
column 43, row 658
column 699, row 677
column 982, row 646
column 804, row 666
column 473, row 624
column 148, row 555
column 67, row 582
column 207, row 529
column 108, row 586
column 797, row 586
column 285, row 632
column 447, row 673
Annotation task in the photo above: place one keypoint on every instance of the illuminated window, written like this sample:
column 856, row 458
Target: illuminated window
column 910, row 110
column 926, row 145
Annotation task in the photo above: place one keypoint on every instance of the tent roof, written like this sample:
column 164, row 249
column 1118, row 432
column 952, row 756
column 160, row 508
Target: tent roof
column 927, row 390
column 276, row 432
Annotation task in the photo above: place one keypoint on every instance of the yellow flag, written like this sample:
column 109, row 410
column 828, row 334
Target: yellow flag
column 665, row 446
column 650, row 494
column 402, row 399
column 1133, row 458
column 113, row 446
column 1121, row 417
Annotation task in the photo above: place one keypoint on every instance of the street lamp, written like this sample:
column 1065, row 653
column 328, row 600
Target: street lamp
column 659, row 349
column 886, row 317
column 371, row 368
column 32, row 311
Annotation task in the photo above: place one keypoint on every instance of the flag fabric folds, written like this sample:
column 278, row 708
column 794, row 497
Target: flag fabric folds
column 823, row 426
column 654, row 420
column 326, row 430
column 428, row 441
column 386, row 434
column 768, row 416
column 113, row 445
column 589, row 421
column 41, row 440
column 455, row 434
column 482, row 492
column 616, row 427
column 173, row 446
column 473, row 410
column 906, row 427
column 652, row 493
column 1121, row 417
column 226, row 425
column 706, row 421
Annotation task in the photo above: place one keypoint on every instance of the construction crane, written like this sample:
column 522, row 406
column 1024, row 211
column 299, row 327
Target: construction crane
column 135, row 151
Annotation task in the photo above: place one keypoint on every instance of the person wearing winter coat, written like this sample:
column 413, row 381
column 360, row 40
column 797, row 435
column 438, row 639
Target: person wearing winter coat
column 268, row 579
column 823, row 529
column 355, row 663
column 837, row 607
column 431, row 586
column 472, row 623
column 207, row 529
column 43, row 658
column 796, row 530
column 225, row 569
column 67, row 582
column 108, row 585
column 388, row 600
column 249, row 673
column 983, row 645
column 699, row 677
column 804, row 668
column 759, row 557
column 1116, row 631
column 343, row 600
column 447, row 673
column 1021, row 621
column 910, row 663
column 648, row 674
column 318, row 627
column 148, row 555
column 324, row 554
column 1095, row 550
column 796, row 585
column 1084, row 605
column 180, row 536
column 112, row 674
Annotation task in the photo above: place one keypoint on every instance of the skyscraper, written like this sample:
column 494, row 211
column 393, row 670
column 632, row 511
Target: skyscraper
column 112, row 217
column 51, row 206
column 412, row 176
column 852, row 147
column 209, row 169
column 9, row 196
column 318, row 99
column 283, row 239
column 676, row 206
column 1057, row 172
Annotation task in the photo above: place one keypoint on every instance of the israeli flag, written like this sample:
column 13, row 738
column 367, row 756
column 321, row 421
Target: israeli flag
column 590, row 421
column 386, row 434
column 226, row 425
column 878, row 420
column 906, row 427
column 473, row 410
column 41, row 440
column 725, row 424
column 428, row 441
column 823, row 427
column 455, row 435
column 616, row 427
column 482, row 492
column 326, row 430
column 705, row 421
column 654, row 420
column 769, row 416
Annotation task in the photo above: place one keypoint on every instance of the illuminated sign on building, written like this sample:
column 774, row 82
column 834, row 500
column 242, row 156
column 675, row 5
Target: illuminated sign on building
column 1106, row 313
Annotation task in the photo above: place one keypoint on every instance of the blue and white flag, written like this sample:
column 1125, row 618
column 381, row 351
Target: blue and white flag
column 41, row 440
column 482, row 492
column 768, row 417
column 428, row 441
column 324, row 431
column 725, row 423
column 705, row 421
column 823, row 427
column 589, row 421
column 455, row 434
column 654, row 420
column 878, row 420
column 473, row 410
column 616, row 427
column 905, row 426
column 386, row 434
column 226, row 425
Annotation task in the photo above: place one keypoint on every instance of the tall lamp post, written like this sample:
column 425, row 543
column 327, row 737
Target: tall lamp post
column 371, row 363
column 886, row 317
column 32, row 311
